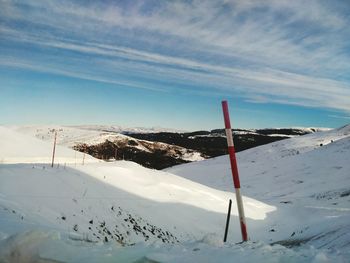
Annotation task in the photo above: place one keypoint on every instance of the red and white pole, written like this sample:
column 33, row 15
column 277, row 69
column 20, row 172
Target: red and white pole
column 234, row 169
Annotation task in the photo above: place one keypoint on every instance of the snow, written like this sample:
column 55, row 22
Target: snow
column 71, row 136
column 65, row 213
column 302, row 129
column 35, row 246
column 95, row 188
column 309, row 184
column 19, row 148
column 68, row 136
column 192, row 156
column 282, row 135
column 126, row 130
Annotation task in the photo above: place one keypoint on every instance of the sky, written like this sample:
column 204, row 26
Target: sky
column 160, row 63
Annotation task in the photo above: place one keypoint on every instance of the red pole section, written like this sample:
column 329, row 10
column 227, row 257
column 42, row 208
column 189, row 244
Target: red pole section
column 234, row 169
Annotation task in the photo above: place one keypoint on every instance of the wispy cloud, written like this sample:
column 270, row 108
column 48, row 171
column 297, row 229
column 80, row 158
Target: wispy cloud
column 339, row 117
column 288, row 52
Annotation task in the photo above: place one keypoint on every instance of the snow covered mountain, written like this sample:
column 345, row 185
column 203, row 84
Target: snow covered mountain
column 121, row 211
column 104, row 142
column 213, row 143
column 154, row 148
column 123, row 130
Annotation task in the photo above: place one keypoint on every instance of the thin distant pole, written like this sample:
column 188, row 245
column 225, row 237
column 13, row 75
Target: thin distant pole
column 115, row 153
column 228, row 219
column 234, row 169
column 54, row 149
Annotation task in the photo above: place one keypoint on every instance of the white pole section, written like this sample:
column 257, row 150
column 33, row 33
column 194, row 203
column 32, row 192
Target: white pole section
column 234, row 169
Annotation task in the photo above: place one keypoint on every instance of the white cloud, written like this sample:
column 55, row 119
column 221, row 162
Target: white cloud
column 339, row 117
column 283, row 51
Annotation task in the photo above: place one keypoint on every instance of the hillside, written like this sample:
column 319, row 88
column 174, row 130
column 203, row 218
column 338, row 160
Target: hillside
column 213, row 143
column 108, row 211
column 306, row 178
column 155, row 148
column 105, row 143
column 119, row 202
column 22, row 148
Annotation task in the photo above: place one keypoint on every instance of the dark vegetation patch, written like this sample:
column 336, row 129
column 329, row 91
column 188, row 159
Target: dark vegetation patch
column 156, row 159
column 150, row 149
column 124, row 229
column 211, row 143
column 285, row 131
column 146, row 260
column 330, row 195
column 345, row 193
column 290, row 243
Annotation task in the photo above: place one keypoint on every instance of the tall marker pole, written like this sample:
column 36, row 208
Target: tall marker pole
column 234, row 169
column 54, row 149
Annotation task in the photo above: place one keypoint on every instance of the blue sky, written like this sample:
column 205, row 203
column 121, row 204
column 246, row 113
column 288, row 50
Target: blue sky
column 170, row 63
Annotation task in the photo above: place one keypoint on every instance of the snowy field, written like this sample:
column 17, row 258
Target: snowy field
column 296, row 197
column 70, row 136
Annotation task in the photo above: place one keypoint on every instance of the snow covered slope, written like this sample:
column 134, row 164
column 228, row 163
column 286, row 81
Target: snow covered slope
column 104, row 142
column 110, row 192
column 102, row 202
column 18, row 148
column 70, row 136
column 108, row 212
column 307, row 178
column 73, row 135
